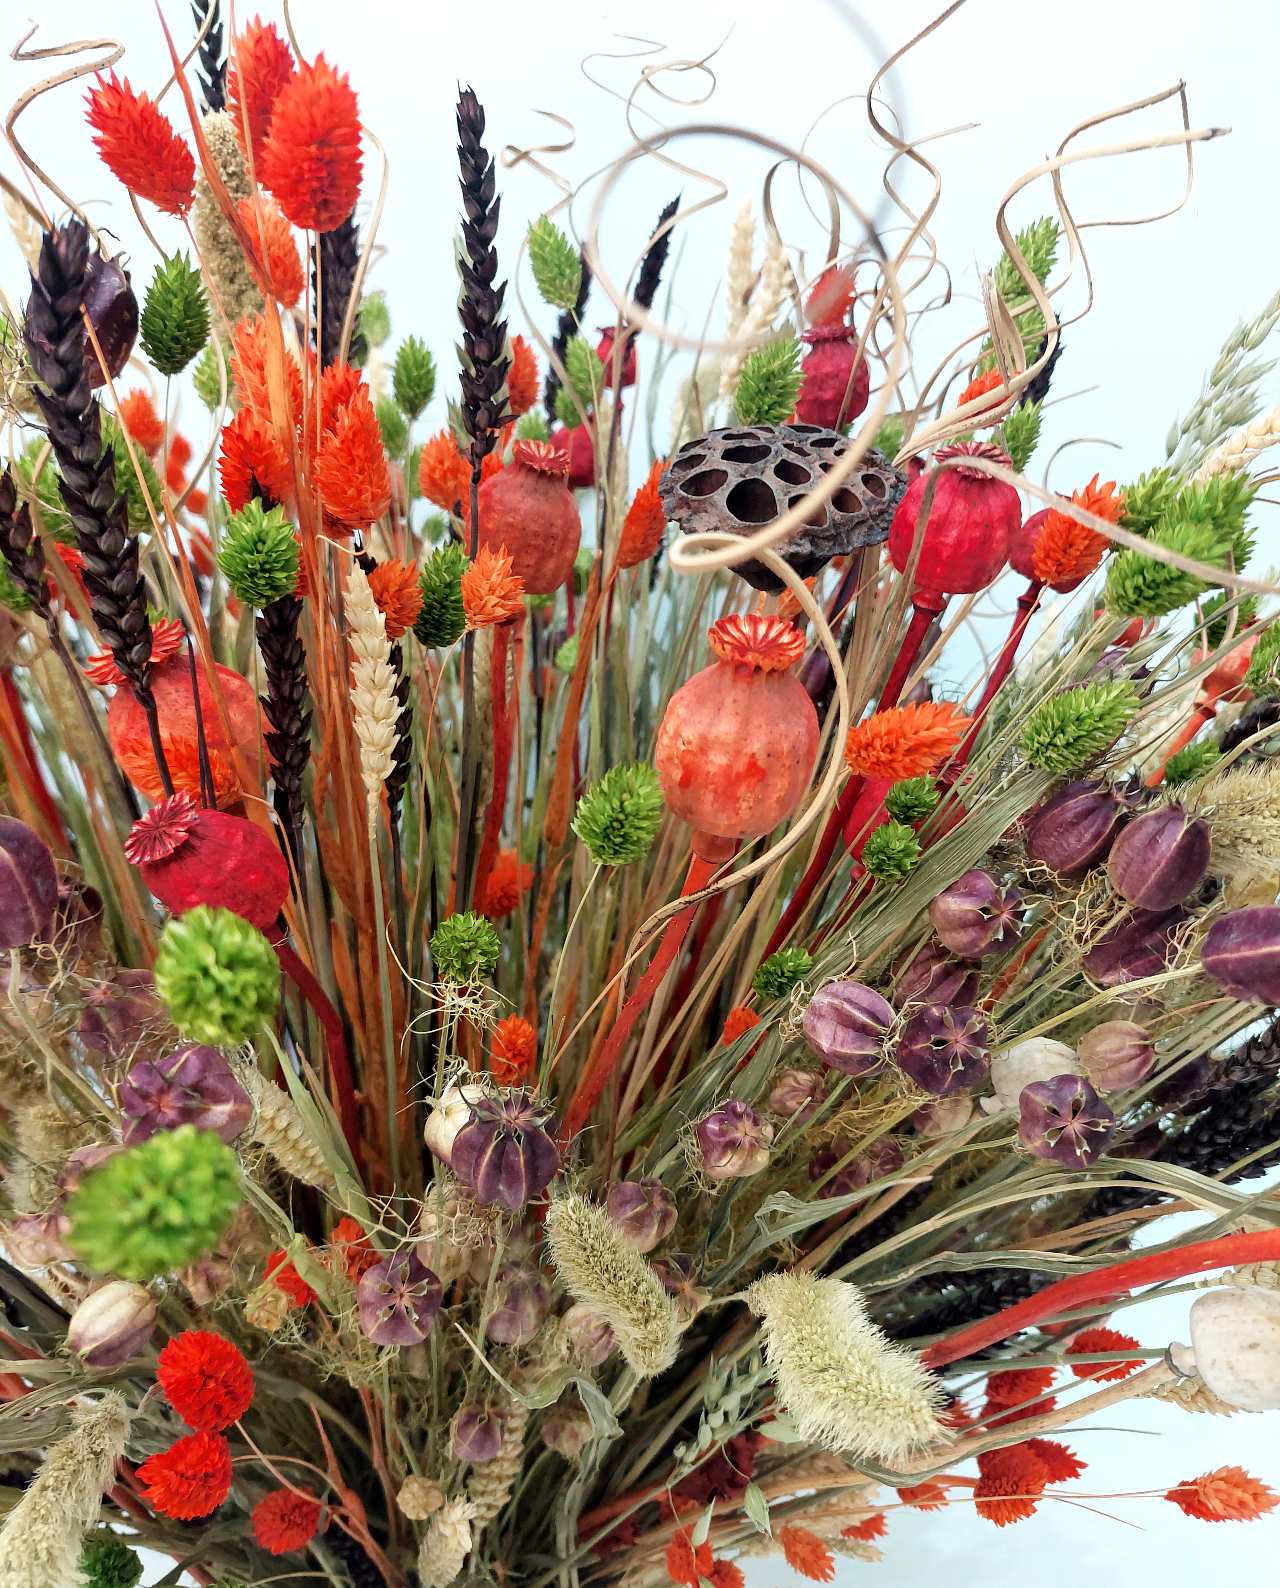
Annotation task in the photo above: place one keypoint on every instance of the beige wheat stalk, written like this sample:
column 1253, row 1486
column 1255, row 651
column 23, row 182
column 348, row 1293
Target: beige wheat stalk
column 373, row 687
column 446, row 1544
column 1240, row 449
column 742, row 241
column 766, row 300
column 279, row 1128
column 490, row 1485
column 1194, row 1395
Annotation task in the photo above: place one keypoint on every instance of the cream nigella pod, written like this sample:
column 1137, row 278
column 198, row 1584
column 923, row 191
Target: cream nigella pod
column 1235, row 1347
column 846, row 1385
column 1035, row 1059
column 448, row 1117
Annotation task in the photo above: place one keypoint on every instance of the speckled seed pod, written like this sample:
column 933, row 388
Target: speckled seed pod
column 1235, row 1344
column 845, row 1024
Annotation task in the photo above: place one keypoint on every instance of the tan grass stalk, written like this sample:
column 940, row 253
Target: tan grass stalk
column 220, row 253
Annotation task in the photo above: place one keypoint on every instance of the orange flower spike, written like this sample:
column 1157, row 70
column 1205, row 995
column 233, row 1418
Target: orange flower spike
column 1091, row 1340
column 806, row 1553
column 311, row 157
column 1067, row 551
column 508, row 880
column 924, row 1496
column 350, row 469
column 338, row 385
column 274, row 250
column 687, row 1564
column 1227, row 1494
column 397, row 595
column 167, row 635
column 491, row 593
column 139, row 146
column 1016, row 1385
column 726, row 1574
column 141, row 421
column 259, row 65
column 251, row 371
column 522, row 377
column 905, row 741
column 737, row 1023
column 645, row 523
column 981, row 385
column 444, row 475
column 874, row 1526
column 252, row 462
column 1010, row 1483
column 513, row 1051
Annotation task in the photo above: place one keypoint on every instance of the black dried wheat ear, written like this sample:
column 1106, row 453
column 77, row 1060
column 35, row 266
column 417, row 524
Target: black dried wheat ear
column 1037, row 389
column 485, row 356
column 285, row 703
column 402, row 755
column 361, row 1571
column 655, row 257
column 334, row 261
column 213, row 61
column 21, row 547
column 566, row 328
column 112, row 575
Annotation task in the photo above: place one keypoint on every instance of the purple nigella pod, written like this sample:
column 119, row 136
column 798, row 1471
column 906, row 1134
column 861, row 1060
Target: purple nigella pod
column 119, row 1012
column 796, row 1094
column 34, row 1240
column 1074, row 830
column 643, row 1210
column 521, row 1301
column 112, row 1324
column 591, row 1340
column 1116, row 1055
column 734, row 1141
column 944, row 1050
column 475, row 1434
column 1063, row 1118
column 1160, row 858
column 933, row 976
column 974, row 916
column 76, row 927
column 398, row 1299
column 1242, row 953
column 113, row 312
column 192, row 1086
column 28, row 884
column 503, row 1153
column 1141, row 945
column 678, row 1276
column 845, row 1025
column 883, row 1157
column 565, row 1431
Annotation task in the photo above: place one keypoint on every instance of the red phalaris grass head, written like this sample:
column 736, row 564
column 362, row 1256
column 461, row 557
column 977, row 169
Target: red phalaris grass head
column 311, row 156
column 1056, row 549
column 259, row 64
column 738, row 741
column 137, row 141
column 973, row 519
column 252, row 462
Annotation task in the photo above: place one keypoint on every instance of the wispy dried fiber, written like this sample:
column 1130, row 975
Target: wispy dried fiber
column 598, row 1267
column 848, row 1387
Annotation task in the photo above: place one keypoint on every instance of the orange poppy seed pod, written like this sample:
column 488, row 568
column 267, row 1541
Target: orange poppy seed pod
column 179, row 733
column 529, row 508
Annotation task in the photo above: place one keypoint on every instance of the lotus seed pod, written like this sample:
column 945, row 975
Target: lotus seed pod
column 1034, row 1059
column 1063, row 1118
column 845, row 1024
column 796, row 1094
column 1074, row 830
column 734, row 1141
column 944, row 1050
column 644, row 1211
column 448, row 1117
column 397, row 1300
column 28, row 884
column 112, row 1325
column 1160, row 858
column 1117, row 1054
column 974, row 916
column 1242, row 953
column 1235, row 1340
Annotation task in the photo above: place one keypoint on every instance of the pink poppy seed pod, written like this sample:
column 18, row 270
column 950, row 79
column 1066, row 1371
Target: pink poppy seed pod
column 1064, row 1119
column 972, row 522
column 1160, row 858
column 835, row 380
column 974, row 916
column 112, row 1325
column 503, row 1153
column 944, row 1050
column 476, row 1433
column 644, row 1212
column 521, row 1302
column 28, row 884
column 397, row 1300
column 578, row 447
column 1117, row 1054
column 191, row 1086
column 528, row 508
column 796, row 1094
column 1074, row 830
column 845, row 1024
column 1242, row 953
column 734, row 1141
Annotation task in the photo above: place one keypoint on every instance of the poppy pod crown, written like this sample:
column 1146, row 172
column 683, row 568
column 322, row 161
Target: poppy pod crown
column 769, row 644
column 973, row 449
column 542, row 457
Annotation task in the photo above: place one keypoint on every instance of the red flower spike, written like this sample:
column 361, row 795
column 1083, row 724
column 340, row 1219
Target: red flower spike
column 522, row 378
column 1016, row 1385
column 397, row 595
column 1092, row 1340
column 179, row 451
column 139, row 146
column 141, row 421
column 338, row 385
column 513, row 1052
column 726, row 1574
column 444, row 475
column 274, row 250
column 831, row 297
column 1228, row 1494
column 874, row 1526
column 924, row 1496
column 1010, row 1483
column 646, row 521
column 352, row 1245
column 205, row 1379
column 287, row 1278
column 770, row 644
column 806, row 1553
column 285, row 1521
column 736, row 1024
column 167, row 636
column 685, row 1564
column 189, row 1480
column 254, row 369
column 351, row 466
column 162, row 830
column 252, row 462
column 223, row 861
column 259, row 65
column 1061, row 1463
column 509, row 879
column 311, row 157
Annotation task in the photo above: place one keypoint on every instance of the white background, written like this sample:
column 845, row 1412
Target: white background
column 1166, row 296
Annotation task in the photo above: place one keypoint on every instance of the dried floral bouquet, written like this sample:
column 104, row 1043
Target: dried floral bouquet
column 550, row 1032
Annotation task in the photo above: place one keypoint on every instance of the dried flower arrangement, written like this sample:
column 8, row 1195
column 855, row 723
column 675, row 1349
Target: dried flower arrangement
column 492, row 1094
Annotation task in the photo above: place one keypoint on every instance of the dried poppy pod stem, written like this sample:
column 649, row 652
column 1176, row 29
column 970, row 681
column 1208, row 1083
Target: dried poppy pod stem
column 1028, row 601
column 1225, row 683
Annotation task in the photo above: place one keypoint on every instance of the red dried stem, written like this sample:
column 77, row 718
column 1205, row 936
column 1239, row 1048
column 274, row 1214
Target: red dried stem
column 1028, row 601
column 502, row 724
column 335, row 1043
column 1206, row 711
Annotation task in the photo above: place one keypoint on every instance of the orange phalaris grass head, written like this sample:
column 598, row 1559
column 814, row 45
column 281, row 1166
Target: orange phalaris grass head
column 1067, row 551
column 905, row 741
column 491, row 593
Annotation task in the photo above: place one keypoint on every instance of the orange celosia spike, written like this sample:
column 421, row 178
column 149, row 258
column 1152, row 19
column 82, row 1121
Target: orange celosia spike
column 905, row 741
column 513, row 1051
column 645, row 523
column 508, row 880
column 141, row 421
column 522, row 377
column 981, row 384
column 1090, row 1340
column 311, row 156
column 806, row 1553
column 251, row 371
column 259, row 65
column 139, row 146
column 726, row 1574
column 167, row 635
column 350, row 468
column 275, row 251
column 252, row 463
column 338, row 385
column 1010, row 1483
column 397, row 594
column 1067, row 551
column 491, row 593
column 686, row 1564
column 736, row 1022
column 1228, row 1494
column 444, row 475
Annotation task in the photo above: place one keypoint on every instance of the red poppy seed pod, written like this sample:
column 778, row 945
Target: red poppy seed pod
column 1074, row 830
column 119, row 1012
column 828, row 397
column 528, row 508
column 28, row 884
column 1141, row 945
column 397, row 1300
column 1022, row 546
column 191, row 1086
column 845, row 1024
column 796, row 1094
column 1242, row 953
column 521, row 1301
column 1160, row 858
column 644, row 1212
column 112, row 1325
column 944, row 1050
column 1064, row 1119
column 604, row 352
column 933, row 976
column 503, row 1153
column 190, row 856
column 577, row 444
column 476, row 1433
column 678, row 1276
column 1117, row 1054
column 733, row 1140
column 738, row 741
column 971, row 526
column 590, row 1338
column 974, row 916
